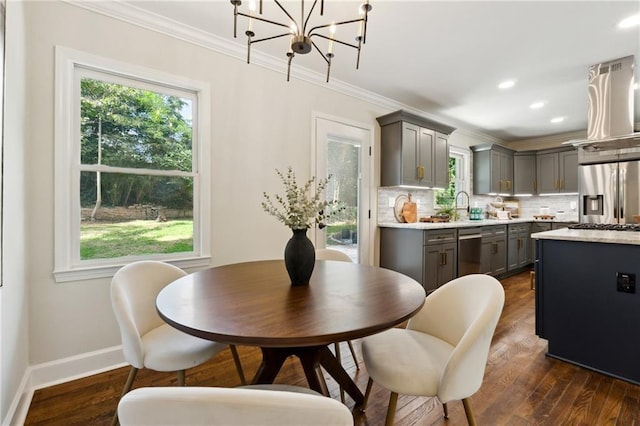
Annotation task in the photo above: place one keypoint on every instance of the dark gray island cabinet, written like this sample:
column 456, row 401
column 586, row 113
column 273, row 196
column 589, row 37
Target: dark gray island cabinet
column 587, row 299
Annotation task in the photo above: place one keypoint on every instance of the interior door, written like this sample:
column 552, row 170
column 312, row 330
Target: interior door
column 343, row 151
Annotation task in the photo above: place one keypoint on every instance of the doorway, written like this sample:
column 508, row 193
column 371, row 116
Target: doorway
column 342, row 151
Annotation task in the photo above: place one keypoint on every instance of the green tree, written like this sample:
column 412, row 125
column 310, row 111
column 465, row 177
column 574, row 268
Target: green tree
column 134, row 128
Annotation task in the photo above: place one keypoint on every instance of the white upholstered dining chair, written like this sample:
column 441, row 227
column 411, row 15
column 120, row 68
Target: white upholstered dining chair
column 443, row 351
column 229, row 406
column 147, row 341
column 332, row 254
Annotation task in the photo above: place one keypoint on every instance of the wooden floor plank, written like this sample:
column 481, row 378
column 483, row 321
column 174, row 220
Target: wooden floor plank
column 521, row 386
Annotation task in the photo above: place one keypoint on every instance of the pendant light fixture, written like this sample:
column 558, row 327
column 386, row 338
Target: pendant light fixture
column 301, row 39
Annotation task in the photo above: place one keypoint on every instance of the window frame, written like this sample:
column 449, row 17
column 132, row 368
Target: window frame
column 70, row 66
column 464, row 182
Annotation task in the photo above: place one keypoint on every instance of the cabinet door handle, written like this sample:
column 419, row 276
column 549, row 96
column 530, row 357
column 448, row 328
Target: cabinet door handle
column 500, row 185
column 420, row 171
column 509, row 185
column 561, row 186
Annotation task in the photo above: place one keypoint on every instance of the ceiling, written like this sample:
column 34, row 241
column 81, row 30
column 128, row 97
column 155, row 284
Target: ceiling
column 446, row 58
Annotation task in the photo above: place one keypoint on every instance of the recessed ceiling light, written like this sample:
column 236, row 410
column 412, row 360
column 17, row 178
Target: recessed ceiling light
column 536, row 105
column 630, row 21
column 557, row 120
column 507, row 84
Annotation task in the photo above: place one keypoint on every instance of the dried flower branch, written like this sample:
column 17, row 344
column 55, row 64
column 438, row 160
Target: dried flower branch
column 298, row 209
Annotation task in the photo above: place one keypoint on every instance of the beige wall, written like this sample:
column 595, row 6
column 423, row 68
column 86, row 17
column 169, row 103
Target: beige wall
column 14, row 329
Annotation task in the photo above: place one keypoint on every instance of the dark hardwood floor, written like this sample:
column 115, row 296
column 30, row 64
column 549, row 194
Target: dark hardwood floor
column 521, row 386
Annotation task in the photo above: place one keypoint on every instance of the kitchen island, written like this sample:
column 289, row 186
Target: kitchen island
column 587, row 303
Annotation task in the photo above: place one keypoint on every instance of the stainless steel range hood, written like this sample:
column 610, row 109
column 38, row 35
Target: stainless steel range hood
column 611, row 115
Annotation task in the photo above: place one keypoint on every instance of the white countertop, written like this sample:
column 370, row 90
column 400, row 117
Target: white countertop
column 590, row 236
column 463, row 223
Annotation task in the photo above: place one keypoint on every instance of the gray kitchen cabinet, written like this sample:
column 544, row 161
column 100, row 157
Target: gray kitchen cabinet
column 560, row 225
column 493, row 260
column 518, row 246
column 440, row 254
column 414, row 151
column 429, row 257
column 524, row 173
column 492, row 170
column 557, row 171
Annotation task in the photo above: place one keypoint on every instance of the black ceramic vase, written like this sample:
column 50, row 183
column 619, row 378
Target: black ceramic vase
column 299, row 257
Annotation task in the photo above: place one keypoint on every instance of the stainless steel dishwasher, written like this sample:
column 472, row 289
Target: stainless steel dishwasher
column 469, row 248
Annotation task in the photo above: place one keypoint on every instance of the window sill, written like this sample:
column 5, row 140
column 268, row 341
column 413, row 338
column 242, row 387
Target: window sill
column 107, row 271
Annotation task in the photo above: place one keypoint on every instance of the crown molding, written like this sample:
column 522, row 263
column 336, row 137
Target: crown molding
column 134, row 15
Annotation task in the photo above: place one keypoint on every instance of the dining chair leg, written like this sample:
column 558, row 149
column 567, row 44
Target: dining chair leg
column 236, row 360
column 366, row 395
column 391, row 411
column 353, row 354
column 467, row 411
column 127, row 388
column 446, row 410
column 336, row 347
column 181, row 378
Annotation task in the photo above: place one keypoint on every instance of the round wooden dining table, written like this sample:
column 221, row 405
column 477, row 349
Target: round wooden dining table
column 254, row 304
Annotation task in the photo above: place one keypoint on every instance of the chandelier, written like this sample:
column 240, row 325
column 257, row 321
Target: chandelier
column 301, row 39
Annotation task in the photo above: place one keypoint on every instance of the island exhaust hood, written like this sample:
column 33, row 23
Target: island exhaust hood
column 611, row 115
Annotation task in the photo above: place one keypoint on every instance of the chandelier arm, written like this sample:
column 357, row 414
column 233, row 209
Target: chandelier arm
column 257, row 18
column 320, row 52
column 306, row 21
column 321, row 7
column 364, row 32
column 334, row 39
column 271, row 38
column 235, row 20
column 290, row 55
column 286, row 13
column 336, row 24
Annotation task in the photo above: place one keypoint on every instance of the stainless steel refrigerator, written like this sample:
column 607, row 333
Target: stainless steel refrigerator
column 610, row 192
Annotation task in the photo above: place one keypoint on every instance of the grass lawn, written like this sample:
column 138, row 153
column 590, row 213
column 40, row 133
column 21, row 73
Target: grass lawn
column 102, row 240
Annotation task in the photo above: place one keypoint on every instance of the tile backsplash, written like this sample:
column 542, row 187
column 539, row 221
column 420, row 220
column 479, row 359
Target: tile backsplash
column 563, row 207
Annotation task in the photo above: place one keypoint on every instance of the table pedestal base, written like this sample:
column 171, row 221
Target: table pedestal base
column 311, row 358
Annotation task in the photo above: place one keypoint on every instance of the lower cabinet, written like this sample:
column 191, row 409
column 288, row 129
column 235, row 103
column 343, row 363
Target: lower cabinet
column 493, row 254
column 518, row 246
column 429, row 257
column 440, row 258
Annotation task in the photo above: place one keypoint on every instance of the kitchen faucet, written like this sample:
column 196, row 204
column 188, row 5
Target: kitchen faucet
column 455, row 202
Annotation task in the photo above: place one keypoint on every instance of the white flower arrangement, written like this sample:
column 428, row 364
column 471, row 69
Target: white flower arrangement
column 298, row 209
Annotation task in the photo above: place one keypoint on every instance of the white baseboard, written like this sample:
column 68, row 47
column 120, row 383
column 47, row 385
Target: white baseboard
column 60, row 371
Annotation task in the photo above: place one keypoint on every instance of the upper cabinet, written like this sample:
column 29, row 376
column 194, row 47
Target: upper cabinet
column 414, row 151
column 557, row 171
column 524, row 173
column 492, row 170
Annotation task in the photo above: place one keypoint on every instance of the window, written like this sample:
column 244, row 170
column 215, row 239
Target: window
column 129, row 179
column 458, row 177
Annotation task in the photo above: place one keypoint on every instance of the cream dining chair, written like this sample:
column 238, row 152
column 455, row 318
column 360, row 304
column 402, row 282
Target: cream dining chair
column 229, row 406
column 147, row 341
column 332, row 254
column 443, row 351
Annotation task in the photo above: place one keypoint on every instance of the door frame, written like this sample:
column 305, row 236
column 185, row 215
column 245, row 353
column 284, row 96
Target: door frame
column 368, row 193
